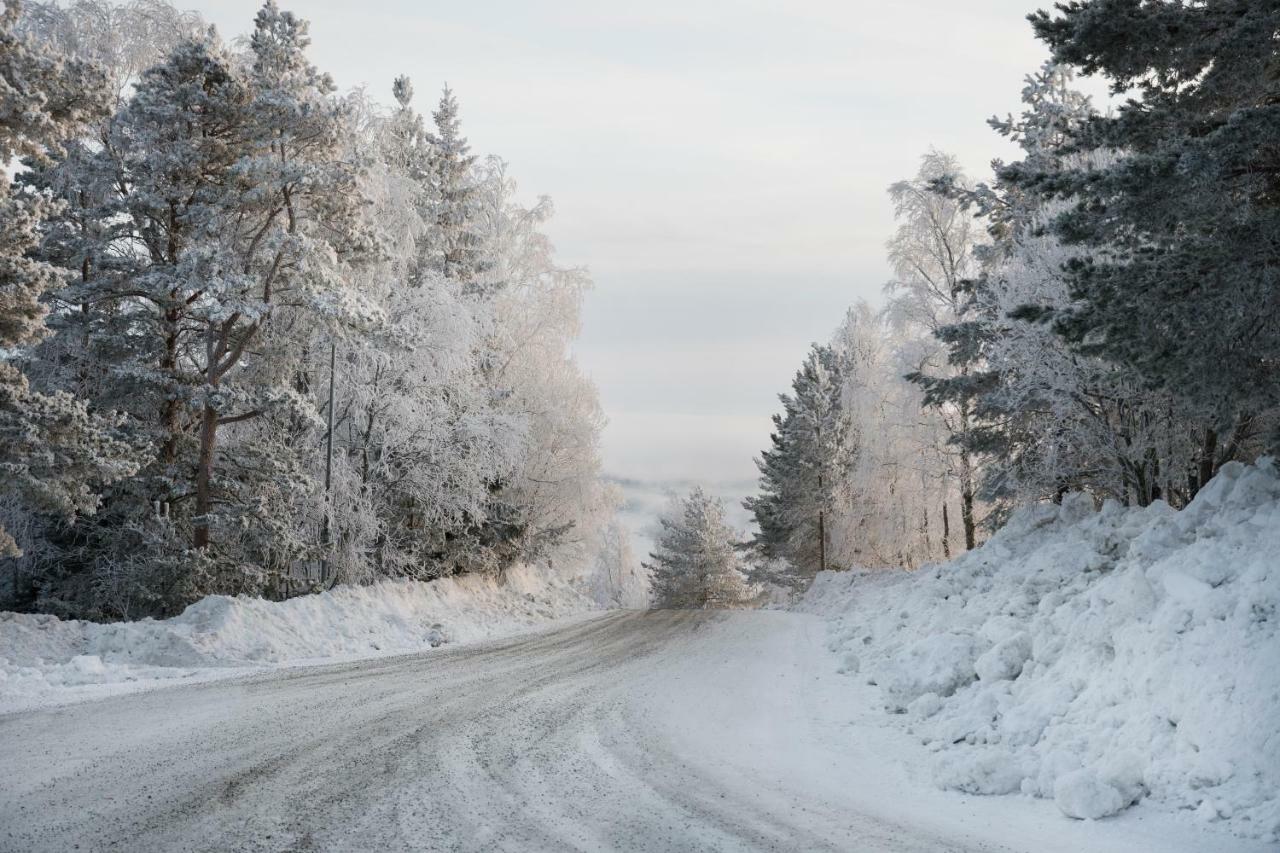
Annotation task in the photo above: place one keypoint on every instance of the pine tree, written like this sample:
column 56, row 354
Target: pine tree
column 290, row 224
column 139, row 213
column 695, row 563
column 52, row 449
column 1049, row 419
column 219, row 242
column 1179, row 280
column 799, row 474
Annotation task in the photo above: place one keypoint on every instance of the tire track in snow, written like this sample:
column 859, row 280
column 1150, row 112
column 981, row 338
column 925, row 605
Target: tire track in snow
column 551, row 742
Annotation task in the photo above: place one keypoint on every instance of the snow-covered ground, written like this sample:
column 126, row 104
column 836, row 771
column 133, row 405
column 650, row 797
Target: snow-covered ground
column 1118, row 664
column 646, row 732
column 1097, row 658
column 45, row 660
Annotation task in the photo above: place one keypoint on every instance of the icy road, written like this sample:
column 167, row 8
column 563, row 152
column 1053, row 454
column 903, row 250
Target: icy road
column 630, row 731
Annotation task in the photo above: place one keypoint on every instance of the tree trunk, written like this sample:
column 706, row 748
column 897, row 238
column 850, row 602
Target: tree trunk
column 822, row 522
column 924, row 528
column 1208, row 451
column 822, row 541
column 328, row 468
column 946, row 532
column 966, row 481
column 169, row 420
column 204, row 475
column 966, row 501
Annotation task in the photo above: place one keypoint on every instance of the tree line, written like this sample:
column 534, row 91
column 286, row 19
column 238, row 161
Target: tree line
column 260, row 336
column 1103, row 315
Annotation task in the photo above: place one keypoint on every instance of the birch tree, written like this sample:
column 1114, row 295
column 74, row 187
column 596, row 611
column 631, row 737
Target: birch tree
column 932, row 257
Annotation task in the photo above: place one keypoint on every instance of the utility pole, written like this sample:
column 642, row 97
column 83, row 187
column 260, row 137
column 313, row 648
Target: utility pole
column 822, row 503
column 328, row 466
column 822, row 531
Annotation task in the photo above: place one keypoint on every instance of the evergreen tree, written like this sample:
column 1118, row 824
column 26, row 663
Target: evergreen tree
column 464, row 256
column 52, row 449
column 695, row 564
column 800, row 473
column 461, row 253
column 1050, row 419
column 220, row 241
column 1000, row 430
column 138, row 213
column 330, row 337
column 1179, row 280
column 291, row 224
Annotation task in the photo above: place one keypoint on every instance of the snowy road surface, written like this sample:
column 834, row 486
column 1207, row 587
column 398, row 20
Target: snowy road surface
column 632, row 731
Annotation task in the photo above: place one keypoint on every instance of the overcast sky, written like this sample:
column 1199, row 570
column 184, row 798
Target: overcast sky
column 720, row 167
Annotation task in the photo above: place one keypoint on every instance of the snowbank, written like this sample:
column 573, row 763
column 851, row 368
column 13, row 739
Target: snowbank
column 1095, row 658
column 44, row 660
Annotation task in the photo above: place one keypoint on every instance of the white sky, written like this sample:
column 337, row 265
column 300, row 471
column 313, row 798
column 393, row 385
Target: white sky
column 720, row 167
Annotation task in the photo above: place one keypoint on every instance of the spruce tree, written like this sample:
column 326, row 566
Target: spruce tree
column 461, row 253
column 53, row 450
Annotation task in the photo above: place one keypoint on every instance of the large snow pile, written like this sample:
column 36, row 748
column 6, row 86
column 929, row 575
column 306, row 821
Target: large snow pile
column 44, row 659
column 1093, row 657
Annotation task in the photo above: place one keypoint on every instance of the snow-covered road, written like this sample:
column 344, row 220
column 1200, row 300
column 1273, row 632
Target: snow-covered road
column 631, row 731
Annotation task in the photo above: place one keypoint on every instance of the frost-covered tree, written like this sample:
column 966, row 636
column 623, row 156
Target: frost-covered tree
column 811, row 446
column 122, row 39
column 998, row 433
column 616, row 578
column 1177, row 280
column 1074, row 422
column 140, row 208
column 467, row 437
column 335, row 339
column 695, row 564
column 53, row 450
column 557, row 491
column 421, row 440
column 219, row 237
column 1051, row 418
column 888, row 493
column 897, row 503
column 932, row 253
column 290, row 224
column 461, row 255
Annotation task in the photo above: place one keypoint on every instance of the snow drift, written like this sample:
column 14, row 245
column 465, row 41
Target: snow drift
column 1097, row 658
column 46, row 660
